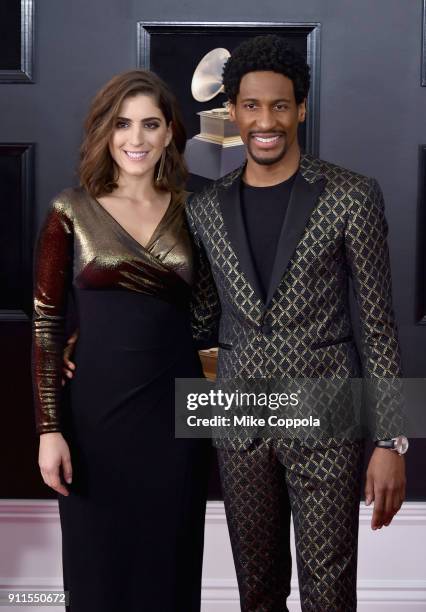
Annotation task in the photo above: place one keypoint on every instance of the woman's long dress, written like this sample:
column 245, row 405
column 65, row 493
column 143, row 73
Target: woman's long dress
column 132, row 526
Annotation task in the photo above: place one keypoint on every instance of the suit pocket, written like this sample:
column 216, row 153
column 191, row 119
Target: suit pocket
column 326, row 343
column 225, row 345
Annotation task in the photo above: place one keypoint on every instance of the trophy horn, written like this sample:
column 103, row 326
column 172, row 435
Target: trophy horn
column 207, row 79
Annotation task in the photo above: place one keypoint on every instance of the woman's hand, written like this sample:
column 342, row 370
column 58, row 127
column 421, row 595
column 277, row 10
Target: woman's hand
column 69, row 366
column 54, row 454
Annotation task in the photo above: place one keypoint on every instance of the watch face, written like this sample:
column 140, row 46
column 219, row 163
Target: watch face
column 401, row 444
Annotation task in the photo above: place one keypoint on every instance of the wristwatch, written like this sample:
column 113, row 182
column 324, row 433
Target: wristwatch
column 398, row 444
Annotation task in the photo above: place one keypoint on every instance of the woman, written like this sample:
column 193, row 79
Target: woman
column 133, row 501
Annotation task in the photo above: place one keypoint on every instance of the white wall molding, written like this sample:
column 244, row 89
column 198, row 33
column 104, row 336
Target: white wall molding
column 410, row 511
column 391, row 570
column 33, row 510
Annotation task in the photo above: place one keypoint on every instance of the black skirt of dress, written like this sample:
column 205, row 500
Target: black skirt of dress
column 133, row 524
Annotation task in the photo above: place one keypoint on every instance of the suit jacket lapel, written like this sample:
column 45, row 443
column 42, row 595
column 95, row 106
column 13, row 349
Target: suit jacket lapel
column 303, row 199
column 230, row 206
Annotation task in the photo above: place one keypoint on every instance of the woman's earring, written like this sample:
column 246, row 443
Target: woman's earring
column 161, row 166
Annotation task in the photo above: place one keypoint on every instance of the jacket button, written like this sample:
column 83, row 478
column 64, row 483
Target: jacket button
column 266, row 329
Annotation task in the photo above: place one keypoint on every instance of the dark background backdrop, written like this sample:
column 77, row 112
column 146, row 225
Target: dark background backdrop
column 371, row 120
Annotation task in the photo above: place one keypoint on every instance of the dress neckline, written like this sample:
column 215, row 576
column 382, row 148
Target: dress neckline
column 117, row 223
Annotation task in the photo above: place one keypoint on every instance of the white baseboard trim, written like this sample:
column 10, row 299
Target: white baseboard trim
column 387, row 580
column 226, row 589
column 368, row 590
column 410, row 511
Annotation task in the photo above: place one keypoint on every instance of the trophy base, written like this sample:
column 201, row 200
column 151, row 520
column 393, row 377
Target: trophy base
column 228, row 141
column 211, row 160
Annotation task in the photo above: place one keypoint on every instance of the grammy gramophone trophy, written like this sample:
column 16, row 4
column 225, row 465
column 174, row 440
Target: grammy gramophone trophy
column 218, row 148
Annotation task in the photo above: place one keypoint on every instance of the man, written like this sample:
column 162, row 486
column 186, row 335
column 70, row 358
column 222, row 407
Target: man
column 282, row 236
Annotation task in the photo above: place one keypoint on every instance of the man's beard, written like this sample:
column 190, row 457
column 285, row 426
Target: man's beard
column 267, row 161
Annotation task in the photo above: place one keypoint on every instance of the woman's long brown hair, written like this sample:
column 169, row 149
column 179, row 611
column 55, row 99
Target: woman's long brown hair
column 97, row 171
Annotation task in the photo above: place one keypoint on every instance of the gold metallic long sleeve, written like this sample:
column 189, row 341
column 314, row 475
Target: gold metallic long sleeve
column 53, row 266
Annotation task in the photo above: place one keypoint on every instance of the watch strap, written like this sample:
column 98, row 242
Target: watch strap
column 385, row 443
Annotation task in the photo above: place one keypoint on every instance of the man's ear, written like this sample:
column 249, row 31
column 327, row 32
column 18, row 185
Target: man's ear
column 231, row 111
column 302, row 111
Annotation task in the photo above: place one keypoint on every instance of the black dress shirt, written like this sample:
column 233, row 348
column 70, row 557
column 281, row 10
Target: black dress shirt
column 264, row 210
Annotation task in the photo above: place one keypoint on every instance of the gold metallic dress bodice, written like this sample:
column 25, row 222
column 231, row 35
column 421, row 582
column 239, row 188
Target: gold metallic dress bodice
column 82, row 246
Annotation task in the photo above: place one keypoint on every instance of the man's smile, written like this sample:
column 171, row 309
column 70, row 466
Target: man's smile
column 266, row 141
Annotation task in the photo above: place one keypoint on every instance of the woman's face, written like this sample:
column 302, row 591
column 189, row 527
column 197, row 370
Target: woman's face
column 139, row 137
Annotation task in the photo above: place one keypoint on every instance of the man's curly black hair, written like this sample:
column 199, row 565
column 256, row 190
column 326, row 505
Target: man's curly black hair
column 270, row 53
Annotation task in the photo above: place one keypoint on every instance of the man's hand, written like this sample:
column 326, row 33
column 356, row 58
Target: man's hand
column 69, row 366
column 385, row 485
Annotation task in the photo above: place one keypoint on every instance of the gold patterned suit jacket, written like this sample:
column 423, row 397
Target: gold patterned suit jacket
column 334, row 231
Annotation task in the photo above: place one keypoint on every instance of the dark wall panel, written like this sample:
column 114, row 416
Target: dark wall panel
column 10, row 35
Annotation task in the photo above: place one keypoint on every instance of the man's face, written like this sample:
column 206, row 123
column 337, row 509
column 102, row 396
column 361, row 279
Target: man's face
column 267, row 116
